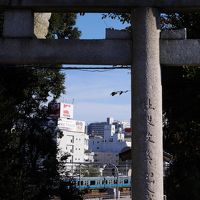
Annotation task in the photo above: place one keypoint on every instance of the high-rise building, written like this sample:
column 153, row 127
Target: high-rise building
column 97, row 128
column 107, row 147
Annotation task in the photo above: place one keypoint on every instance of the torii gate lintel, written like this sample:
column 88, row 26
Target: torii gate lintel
column 175, row 49
column 98, row 5
column 145, row 51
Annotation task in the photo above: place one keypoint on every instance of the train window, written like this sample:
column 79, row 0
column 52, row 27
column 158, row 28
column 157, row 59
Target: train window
column 92, row 182
column 81, row 182
column 78, row 182
column 125, row 180
column 106, row 182
column 115, row 181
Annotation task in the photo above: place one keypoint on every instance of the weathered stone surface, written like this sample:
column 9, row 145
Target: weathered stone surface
column 147, row 154
column 118, row 34
column 41, row 24
column 114, row 52
column 98, row 5
column 23, row 24
column 32, row 51
column 18, row 24
column 180, row 34
column 180, row 52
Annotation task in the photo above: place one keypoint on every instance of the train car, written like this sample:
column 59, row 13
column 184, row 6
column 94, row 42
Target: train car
column 99, row 182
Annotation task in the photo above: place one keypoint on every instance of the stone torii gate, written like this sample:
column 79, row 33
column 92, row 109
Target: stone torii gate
column 145, row 51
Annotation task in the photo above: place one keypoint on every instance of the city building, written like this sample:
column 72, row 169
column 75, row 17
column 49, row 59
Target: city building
column 97, row 128
column 107, row 147
column 74, row 140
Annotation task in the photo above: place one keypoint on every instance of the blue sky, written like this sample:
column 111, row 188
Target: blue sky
column 90, row 91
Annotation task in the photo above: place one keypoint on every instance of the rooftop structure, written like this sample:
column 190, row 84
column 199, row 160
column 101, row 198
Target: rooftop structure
column 107, row 146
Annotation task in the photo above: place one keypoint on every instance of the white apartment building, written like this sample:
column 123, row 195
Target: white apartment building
column 108, row 147
column 74, row 140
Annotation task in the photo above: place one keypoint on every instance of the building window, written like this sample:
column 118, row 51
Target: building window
column 97, row 147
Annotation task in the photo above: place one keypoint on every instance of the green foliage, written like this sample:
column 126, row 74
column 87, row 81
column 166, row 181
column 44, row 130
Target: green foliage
column 182, row 139
column 28, row 149
column 181, row 90
column 190, row 21
column 69, row 191
column 122, row 17
column 65, row 29
column 28, row 165
column 89, row 171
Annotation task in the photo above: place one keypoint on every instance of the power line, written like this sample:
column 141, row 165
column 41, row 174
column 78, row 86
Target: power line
column 95, row 69
column 92, row 69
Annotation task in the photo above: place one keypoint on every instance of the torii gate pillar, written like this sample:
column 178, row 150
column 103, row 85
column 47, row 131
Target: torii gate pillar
column 147, row 155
